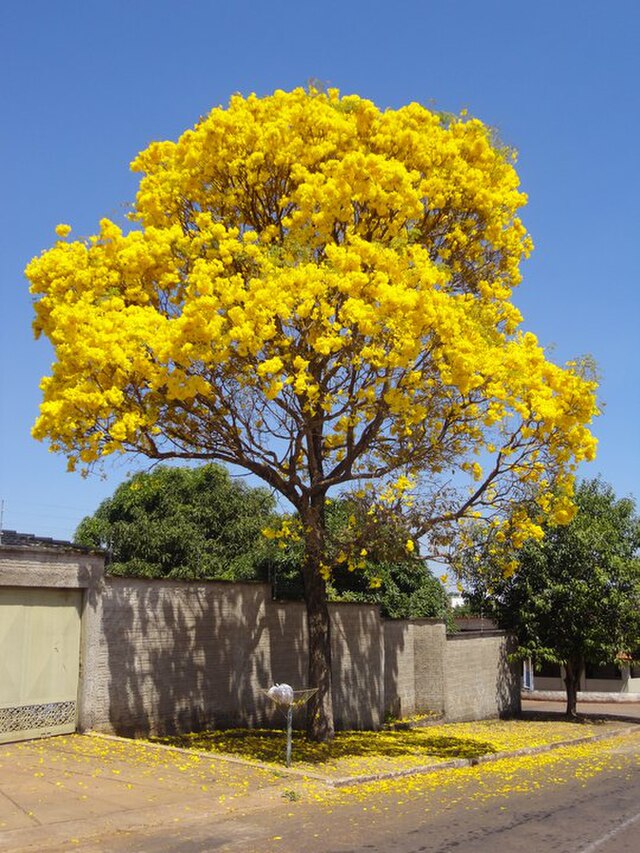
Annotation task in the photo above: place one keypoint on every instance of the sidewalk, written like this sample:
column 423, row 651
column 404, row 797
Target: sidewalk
column 61, row 790
column 614, row 710
column 75, row 791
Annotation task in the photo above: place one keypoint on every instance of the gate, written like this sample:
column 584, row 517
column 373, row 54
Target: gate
column 39, row 661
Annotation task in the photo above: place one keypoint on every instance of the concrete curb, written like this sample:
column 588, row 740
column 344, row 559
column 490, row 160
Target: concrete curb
column 583, row 698
column 347, row 781
column 482, row 759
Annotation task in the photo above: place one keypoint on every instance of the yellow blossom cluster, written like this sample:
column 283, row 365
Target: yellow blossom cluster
column 288, row 530
column 317, row 290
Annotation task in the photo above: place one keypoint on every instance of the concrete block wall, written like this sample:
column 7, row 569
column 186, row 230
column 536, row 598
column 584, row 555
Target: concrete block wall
column 162, row 656
column 399, row 668
column 287, row 629
column 430, row 639
column 177, row 656
column 480, row 681
column 461, row 676
column 358, row 663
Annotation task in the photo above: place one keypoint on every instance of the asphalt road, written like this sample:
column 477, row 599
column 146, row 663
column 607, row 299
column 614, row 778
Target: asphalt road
column 555, row 808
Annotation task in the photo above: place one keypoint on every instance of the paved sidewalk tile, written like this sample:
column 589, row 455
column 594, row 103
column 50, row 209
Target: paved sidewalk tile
column 78, row 785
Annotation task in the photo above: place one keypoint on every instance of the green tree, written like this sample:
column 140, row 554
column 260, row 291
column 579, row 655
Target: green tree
column 198, row 523
column 403, row 590
column 182, row 523
column 575, row 596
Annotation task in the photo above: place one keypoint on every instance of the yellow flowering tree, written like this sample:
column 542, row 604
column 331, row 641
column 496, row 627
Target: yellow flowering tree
column 319, row 291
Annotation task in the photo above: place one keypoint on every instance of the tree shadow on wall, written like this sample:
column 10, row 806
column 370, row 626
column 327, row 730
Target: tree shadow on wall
column 508, row 680
column 182, row 657
column 398, row 659
column 288, row 654
column 358, row 657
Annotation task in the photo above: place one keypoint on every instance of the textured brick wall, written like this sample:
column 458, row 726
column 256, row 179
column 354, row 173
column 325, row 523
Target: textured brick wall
column 465, row 676
column 399, row 668
column 287, row 631
column 176, row 656
column 168, row 656
column 358, row 657
column 479, row 680
column 429, row 645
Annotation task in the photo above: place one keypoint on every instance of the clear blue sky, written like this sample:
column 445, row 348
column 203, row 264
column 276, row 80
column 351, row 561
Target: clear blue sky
column 86, row 85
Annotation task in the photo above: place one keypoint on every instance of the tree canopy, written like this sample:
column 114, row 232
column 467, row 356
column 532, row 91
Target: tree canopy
column 319, row 291
column 182, row 523
column 400, row 583
column 575, row 596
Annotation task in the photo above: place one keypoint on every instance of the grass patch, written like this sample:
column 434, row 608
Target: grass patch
column 290, row 795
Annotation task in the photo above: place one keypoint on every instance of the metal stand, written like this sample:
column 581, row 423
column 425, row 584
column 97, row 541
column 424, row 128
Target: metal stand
column 300, row 697
column 289, row 733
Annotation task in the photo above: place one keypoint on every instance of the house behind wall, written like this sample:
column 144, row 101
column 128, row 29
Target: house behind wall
column 614, row 678
column 161, row 656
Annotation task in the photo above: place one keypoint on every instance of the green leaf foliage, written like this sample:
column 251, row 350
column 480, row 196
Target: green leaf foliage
column 403, row 588
column 406, row 591
column 199, row 523
column 190, row 523
column 576, row 594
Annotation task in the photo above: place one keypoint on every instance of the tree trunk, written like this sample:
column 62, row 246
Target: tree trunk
column 573, row 671
column 320, row 707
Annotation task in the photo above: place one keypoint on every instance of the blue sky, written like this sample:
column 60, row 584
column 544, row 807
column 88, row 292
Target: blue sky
column 86, row 85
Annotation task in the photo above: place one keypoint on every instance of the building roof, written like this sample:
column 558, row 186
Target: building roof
column 13, row 538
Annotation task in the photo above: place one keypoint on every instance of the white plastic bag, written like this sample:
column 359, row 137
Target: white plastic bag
column 281, row 693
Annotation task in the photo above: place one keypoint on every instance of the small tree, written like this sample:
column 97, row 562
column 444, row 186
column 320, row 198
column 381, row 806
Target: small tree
column 182, row 523
column 318, row 291
column 575, row 596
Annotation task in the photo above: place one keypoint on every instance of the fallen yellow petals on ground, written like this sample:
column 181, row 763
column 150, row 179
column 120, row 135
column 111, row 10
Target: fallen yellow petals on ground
column 356, row 753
